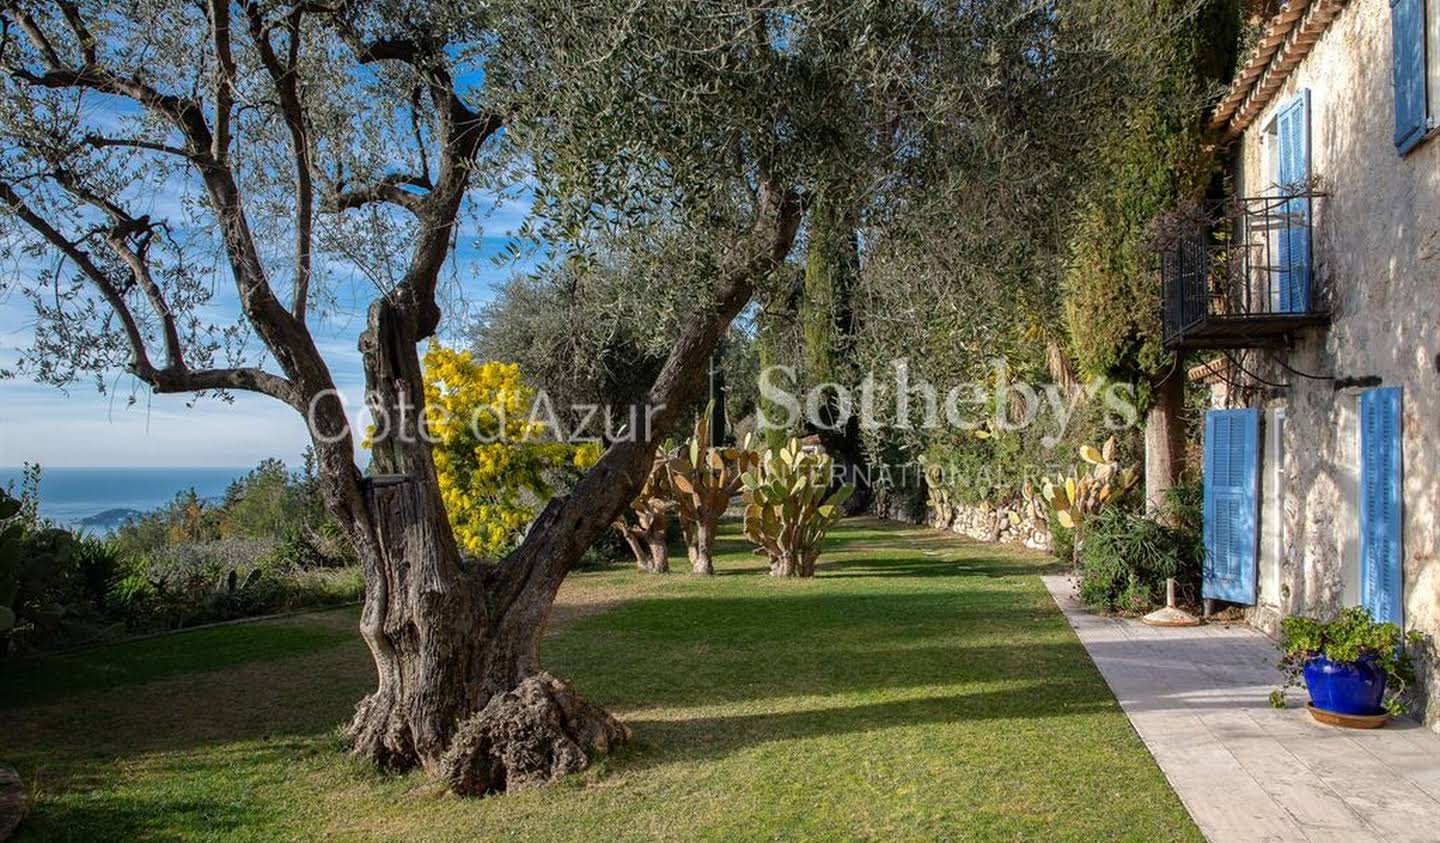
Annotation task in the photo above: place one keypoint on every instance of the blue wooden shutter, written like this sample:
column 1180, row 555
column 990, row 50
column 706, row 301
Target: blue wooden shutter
column 1292, row 133
column 1232, row 511
column 1407, row 33
column 1380, row 504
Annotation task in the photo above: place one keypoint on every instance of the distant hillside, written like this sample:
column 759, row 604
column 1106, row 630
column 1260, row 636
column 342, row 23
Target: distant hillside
column 109, row 518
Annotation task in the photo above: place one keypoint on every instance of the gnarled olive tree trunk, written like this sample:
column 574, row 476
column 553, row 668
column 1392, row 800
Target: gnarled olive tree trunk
column 444, row 639
column 459, row 687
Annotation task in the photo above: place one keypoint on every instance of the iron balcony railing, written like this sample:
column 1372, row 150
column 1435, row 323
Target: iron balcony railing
column 1246, row 281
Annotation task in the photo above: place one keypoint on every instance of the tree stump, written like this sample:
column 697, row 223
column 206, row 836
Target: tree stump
column 529, row 737
column 12, row 801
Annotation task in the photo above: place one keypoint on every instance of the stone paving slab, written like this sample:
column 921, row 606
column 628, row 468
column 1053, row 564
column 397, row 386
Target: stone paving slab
column 1198, row 698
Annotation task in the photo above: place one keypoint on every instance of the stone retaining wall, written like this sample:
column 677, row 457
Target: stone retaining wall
column 992, row 524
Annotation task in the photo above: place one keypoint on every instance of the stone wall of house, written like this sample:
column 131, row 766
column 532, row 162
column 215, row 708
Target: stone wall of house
column 992, row 524
column 1377, row 268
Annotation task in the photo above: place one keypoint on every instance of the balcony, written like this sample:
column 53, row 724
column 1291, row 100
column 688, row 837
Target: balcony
column 1248, row 284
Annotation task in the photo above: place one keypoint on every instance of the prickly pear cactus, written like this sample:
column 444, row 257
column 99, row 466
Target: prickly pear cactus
column 1069, row 499
column 942, row 507
column 703, row 478
column 644, row 523
column 788, row 507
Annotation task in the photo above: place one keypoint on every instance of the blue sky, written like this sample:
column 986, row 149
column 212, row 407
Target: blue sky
column 80, row 427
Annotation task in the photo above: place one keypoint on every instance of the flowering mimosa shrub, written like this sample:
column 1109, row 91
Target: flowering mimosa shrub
column 497, row 461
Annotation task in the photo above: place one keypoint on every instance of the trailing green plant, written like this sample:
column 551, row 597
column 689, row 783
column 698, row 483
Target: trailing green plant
column 1352, row 636
column 1152, row 155
column 1126, row 558
column 789, row 507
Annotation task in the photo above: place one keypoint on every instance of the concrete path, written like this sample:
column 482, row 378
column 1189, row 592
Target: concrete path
column 1247, row 772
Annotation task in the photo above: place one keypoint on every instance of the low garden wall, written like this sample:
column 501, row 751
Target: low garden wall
column 992, row 524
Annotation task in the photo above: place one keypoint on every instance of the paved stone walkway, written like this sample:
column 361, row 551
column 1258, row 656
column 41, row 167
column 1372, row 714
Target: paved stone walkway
column 1197, row 696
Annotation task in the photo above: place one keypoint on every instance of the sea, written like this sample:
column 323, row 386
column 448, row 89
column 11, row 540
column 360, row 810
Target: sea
column 100, row 499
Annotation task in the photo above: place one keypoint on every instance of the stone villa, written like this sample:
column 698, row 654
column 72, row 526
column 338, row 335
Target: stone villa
column 1318, row 304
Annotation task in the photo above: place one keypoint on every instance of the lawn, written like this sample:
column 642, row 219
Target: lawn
column 919, row 688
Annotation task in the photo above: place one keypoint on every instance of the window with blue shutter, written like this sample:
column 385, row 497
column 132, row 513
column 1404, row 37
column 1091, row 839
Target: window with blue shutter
column 1407, row 32
column 1381, row 586
column 1292, row 136
column 1232, row 504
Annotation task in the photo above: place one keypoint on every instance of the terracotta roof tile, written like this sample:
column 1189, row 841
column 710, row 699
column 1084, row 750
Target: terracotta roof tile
column 1284, row 42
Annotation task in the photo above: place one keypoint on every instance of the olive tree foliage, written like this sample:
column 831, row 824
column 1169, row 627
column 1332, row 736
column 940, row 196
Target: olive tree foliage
column 153, row 151
column 949, row 137
column 308, row 139
column 580, row 332
column 962, row 253
column 593, row 344
column 301, row 135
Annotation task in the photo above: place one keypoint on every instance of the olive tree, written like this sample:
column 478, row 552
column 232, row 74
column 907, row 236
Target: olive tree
column 304, row 140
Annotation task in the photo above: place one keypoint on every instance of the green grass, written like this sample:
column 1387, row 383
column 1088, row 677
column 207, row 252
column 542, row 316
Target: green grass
column 919, row 688
column 135, row 662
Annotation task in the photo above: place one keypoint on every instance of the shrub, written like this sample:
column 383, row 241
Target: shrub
column 1184, row 508
column 1062, row 541
column 172, row 567
column 1126, row 558
column 223, row 580
column 52, row 581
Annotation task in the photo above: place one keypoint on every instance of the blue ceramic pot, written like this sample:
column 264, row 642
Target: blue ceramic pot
column 1356, row 687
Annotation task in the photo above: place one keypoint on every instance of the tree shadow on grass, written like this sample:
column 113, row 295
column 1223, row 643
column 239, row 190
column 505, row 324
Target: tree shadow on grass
column 664, row 741
column 866, row 547
column 300, row 695
column 180, row 653
column 115, row 819
column 935, row 567
column 81, row 806
column 708, row 649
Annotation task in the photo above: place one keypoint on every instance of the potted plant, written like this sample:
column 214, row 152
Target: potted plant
column 1352, row 666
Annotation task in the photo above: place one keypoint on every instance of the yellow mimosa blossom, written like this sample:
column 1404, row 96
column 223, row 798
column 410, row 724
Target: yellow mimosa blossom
column 495, row 464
